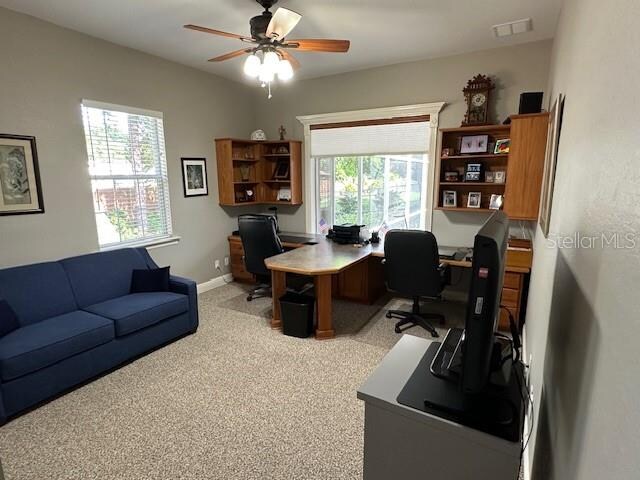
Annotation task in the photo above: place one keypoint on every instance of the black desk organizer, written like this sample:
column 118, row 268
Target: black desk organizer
column 499, row 412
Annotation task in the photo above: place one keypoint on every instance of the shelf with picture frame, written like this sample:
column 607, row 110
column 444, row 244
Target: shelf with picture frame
column 259, row 172
column 505, row 160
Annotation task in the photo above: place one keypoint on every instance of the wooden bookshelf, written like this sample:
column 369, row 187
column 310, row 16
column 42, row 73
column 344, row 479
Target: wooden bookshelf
column 248, row 165
column 523, row 166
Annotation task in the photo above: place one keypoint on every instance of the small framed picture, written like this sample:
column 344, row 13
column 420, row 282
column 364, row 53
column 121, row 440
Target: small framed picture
column 449, row 198
column 474, row 144
column 20, row 188
column 502, row 146
column 473, row 200
column 496, row 202
column 447, row 152
column 451, row 176
column 282, row 170
column 499, row 176
column 488, row 177
column 474, row 172
column 194, row 177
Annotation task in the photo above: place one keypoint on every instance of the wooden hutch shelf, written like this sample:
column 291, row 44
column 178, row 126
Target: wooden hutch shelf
column 249, row 165
column 523, row 166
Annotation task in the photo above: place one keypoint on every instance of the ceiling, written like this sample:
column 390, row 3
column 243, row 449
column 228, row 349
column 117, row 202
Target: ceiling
column 382, row 32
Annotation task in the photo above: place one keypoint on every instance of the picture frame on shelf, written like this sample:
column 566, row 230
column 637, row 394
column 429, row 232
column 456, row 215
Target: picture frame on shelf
column 499, row 176
column 449, row 199
column 470, row 144
column 474, row 199
column 447, row 152
column 502, row 146
column 451, row 176
column 284, row 194
column 281, row 172
column 474, row 172
column 20, row 186
column 194, row 177
column 489, row 176
column 496, row 201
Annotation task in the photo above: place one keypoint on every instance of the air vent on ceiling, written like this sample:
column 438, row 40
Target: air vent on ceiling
column 512, row 28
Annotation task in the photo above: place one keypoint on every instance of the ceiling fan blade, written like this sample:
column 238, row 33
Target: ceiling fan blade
column 230, row 55
column 292, row 60
column 218, row 32
column 282, row 22
column 319, row 45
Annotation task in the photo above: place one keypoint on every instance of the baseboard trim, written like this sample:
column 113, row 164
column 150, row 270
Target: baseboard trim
column 215, row 283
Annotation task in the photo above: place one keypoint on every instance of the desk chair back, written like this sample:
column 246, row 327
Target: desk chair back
column 259, row 241
column 411, row 263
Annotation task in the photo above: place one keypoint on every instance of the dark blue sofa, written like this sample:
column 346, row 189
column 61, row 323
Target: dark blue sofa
column 78, row 319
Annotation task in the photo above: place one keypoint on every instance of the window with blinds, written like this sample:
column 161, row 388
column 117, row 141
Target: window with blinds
column 372, row 174
column 128, row 170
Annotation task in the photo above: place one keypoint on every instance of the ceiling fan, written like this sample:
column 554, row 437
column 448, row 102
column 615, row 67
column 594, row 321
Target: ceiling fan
column 268, row 47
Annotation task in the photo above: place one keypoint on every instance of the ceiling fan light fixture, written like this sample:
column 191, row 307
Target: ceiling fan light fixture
column 285, row 70
column 282, row 22
column 266, row 75
column 252, row 66
column 271, row 60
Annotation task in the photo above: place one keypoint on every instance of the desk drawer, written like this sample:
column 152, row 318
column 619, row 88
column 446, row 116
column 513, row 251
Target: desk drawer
column 510, row 297
column 512, row 280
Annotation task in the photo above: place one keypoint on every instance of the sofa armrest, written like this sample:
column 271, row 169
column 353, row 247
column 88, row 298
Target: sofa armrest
column 189, row 288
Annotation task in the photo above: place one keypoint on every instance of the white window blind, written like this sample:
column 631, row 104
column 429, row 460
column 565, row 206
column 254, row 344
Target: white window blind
column 128, row 169
column 413, row 137
column 372, row 174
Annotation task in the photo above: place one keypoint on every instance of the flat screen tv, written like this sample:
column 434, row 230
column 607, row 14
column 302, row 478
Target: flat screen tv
column 483, row 305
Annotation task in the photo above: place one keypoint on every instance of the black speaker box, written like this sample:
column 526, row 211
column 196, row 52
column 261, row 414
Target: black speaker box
column 530, row 102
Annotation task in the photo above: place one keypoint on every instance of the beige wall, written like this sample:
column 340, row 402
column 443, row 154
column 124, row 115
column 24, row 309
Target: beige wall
column 46, row 71
column 584, row 309
column 517, row 69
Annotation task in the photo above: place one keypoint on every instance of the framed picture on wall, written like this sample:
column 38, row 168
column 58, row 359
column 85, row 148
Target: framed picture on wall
column 551, row 156
column 194, row 177
column 20, row 188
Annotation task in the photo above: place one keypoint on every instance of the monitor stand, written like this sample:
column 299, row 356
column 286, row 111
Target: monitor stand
column 498, row 411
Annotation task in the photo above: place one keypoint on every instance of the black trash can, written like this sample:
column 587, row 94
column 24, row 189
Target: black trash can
column 297, row 314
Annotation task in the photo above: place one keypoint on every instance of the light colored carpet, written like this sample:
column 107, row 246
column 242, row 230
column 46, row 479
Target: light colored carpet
column 235, row 400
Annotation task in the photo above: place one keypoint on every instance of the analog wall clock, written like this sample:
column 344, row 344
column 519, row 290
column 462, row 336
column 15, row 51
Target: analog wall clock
column 476, row 95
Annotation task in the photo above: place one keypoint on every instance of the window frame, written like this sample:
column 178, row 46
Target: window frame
column 374, row 116
column 168, row 238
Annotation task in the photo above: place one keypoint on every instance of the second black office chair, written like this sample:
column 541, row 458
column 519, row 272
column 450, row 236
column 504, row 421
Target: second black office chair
column 412, row 267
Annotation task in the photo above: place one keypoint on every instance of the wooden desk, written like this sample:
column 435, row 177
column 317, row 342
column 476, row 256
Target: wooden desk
column 321, row 261
column 355, row 274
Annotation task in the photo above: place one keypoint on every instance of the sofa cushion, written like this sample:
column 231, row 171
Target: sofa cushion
column 102, row 276
column 41, row 344
column 37, row 291
column 139, row 310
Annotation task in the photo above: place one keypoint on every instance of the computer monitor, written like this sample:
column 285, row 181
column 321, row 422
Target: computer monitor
column 483, row 305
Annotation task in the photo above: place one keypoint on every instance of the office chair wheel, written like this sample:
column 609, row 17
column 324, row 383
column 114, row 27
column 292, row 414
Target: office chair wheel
column 249, row 298
column 397, row 329
column 389, row 315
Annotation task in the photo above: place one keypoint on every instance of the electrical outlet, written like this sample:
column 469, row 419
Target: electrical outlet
column 217, row 264
column 226, row 261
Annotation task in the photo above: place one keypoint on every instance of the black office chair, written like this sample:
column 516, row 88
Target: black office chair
column 412, row 267
column 260, row 241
